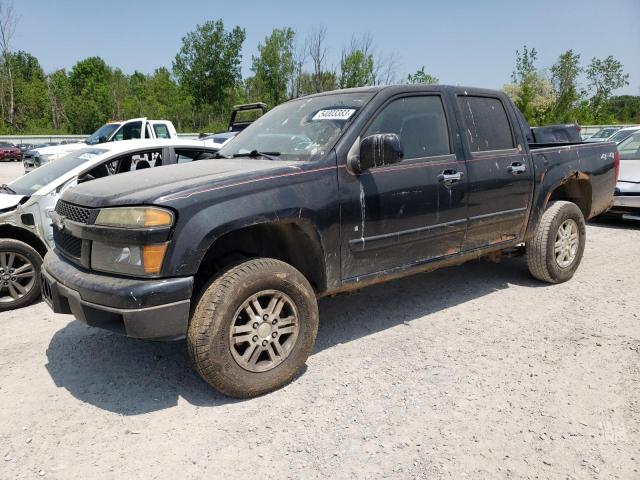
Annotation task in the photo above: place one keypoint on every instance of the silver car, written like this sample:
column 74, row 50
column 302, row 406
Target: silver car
column 626, row 198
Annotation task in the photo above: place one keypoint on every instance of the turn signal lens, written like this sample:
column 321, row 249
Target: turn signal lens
column 154, row 217
column 152, row 256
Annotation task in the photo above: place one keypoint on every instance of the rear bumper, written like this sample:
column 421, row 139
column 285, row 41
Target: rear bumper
column 626, row 197
column 149, row 309
column 626, row 201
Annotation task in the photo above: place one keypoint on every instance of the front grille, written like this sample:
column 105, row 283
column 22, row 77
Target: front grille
column 46, row 288
column 67, row 243
column 73, row 212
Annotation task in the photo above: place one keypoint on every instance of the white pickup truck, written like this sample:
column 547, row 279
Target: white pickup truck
column 134, row 129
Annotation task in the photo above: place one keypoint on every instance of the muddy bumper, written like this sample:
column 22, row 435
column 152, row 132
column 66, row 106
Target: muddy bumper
column 155, row 309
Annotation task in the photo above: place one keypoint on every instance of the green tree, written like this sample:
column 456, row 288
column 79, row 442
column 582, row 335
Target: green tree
column 273, row 67
column 310, row 82
column 604, row 76
column 524, row 77
column 625, row 108
column 531, row 92
column 90, row 104
column 59, row 92
column 208, row 64
column 118, row 91
column 30, row 93
column 422, row 77
column 564, row 79
column 356, row 69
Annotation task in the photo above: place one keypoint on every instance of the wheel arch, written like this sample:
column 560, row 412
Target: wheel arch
column 15, row 233
column 294, row 241
column 575, row 188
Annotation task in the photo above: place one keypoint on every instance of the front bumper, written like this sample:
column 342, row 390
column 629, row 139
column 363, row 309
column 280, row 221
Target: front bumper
column 151, row 309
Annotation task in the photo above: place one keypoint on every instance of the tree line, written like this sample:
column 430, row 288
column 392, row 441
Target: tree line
column 206, row 80
column 570, row 91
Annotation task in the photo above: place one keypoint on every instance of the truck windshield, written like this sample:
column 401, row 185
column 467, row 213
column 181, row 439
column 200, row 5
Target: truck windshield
column 104, row 131
column 44, row 175
column 303, row 129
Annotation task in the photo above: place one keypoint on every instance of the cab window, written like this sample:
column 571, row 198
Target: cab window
column 486, row 124
column 419, row 122
column 161, row 130
column 184, row 155
column 124, row 163
column 129, row 131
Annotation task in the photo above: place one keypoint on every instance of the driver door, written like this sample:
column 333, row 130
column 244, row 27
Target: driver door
column 402, row 214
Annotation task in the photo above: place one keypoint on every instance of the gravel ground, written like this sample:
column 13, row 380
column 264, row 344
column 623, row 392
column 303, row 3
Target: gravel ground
column 10, row 171
column 475, row 371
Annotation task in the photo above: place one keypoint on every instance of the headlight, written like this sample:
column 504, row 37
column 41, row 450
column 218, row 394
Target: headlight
column 135, row 260
column 135, row 217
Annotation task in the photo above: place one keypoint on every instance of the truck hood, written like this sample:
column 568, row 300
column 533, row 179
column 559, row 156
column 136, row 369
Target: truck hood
column 9, row 201
column 150, row 185
column 629, row 171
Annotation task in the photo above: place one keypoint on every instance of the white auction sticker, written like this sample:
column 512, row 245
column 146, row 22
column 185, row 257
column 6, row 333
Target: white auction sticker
column 334, row 114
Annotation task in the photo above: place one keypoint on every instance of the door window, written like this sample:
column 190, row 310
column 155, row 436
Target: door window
column 161, row 130
column 129, row 131
column 486, row 123
column 419, row 122
column 190, row 155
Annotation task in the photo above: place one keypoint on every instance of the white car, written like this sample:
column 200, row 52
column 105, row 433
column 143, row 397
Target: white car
column 134, row 129
column 602, row 135
column 622, row 134
column 26, row 204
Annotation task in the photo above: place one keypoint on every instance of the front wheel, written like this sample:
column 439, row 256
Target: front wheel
column 555, row 251
column 19, row 274
column 253, row 328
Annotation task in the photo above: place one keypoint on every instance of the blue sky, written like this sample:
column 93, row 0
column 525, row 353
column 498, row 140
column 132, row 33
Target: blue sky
column 461, row 42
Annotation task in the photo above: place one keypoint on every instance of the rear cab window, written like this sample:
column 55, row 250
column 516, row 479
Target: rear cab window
column 486, row 124
column 420, row 123
column 161, row 130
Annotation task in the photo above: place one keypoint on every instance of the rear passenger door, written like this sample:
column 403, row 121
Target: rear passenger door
column 499, row 172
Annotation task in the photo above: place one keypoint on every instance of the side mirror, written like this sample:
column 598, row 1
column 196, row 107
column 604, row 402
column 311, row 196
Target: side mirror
column 102, row 139
column 377, row 150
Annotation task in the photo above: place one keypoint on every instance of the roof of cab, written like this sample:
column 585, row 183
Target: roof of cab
column 409, row 88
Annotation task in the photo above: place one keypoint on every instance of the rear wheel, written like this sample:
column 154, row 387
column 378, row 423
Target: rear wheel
column 555, row 251
column 253, row 328
column 19, row 274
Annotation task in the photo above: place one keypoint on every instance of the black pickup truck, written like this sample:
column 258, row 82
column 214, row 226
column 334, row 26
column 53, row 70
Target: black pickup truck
column 322, row 195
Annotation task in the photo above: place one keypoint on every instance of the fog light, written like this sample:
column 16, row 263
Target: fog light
column 135, row 260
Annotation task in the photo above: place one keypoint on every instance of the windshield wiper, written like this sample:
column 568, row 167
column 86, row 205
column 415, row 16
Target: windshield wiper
column 256, row 154
column 219, row 155
column 7, row 188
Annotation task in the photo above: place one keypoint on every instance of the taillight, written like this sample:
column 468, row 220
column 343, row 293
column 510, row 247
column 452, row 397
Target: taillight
column 616, row 164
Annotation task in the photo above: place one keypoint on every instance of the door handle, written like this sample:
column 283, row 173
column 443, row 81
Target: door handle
column 517, row 168
column 449, row 177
